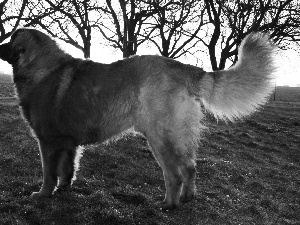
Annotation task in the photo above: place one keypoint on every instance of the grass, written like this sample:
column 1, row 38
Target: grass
column 248, row 173
column 4, row 78
column 6, row 87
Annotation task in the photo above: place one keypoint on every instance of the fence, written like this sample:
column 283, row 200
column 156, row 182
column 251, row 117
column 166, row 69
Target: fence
column 286, row 94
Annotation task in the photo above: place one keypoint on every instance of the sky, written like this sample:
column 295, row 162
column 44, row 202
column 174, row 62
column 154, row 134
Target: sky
column 289, row 68
column 288, row 61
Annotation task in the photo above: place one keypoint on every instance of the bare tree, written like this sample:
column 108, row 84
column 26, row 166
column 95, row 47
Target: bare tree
column 175, row 27
column 170, row 25
column 68, row 20
column 124, row 26
column 233, row 20
column 11, row 13
column 177, row 24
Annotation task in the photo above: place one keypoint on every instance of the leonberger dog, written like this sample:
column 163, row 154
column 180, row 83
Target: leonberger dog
column 70, row 102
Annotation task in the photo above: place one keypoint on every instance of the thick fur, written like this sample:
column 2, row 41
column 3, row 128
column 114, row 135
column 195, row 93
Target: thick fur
column 70, row 102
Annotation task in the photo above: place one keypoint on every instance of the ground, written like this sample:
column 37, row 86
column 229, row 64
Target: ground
column 248, row 173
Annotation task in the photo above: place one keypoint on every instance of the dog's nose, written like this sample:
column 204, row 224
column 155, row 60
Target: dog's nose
column 5, row 52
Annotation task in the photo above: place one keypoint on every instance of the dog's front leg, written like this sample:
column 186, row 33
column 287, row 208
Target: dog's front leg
column 58, row 160
column 50, row 158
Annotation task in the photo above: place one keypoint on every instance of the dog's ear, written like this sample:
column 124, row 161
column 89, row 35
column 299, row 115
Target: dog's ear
column 17, row 32
column 5, row 53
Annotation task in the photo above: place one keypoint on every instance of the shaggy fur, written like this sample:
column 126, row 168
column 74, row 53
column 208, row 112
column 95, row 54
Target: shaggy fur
column 70, row 102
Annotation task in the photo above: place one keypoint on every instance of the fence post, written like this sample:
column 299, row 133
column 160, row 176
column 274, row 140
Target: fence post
column 275, row 92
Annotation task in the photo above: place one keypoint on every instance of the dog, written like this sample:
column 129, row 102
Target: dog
column 70, row 102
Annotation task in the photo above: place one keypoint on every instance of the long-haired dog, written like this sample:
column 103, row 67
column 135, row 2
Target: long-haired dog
column 69, row 102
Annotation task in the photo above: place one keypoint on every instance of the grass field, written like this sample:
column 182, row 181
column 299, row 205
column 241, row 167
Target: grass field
column 248, row 173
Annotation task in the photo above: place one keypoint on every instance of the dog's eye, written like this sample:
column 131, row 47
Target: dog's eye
column 16, row 54
column 19, row 31
column 22, row 51
column 19, row 51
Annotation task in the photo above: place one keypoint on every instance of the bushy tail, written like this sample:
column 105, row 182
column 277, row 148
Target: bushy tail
column 238, row 91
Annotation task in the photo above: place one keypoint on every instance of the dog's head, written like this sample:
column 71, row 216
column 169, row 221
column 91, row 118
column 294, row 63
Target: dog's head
column 25, row 46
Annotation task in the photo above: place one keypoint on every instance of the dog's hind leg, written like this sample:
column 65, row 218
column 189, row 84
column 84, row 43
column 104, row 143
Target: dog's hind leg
column 178, row 165
column 164, row 154
column 188, row 173
column 173, row 131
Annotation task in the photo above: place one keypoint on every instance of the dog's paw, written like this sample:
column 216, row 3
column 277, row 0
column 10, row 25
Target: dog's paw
column 39, row 195
column 186, row 198
column 164, row 206
column 63, row 189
